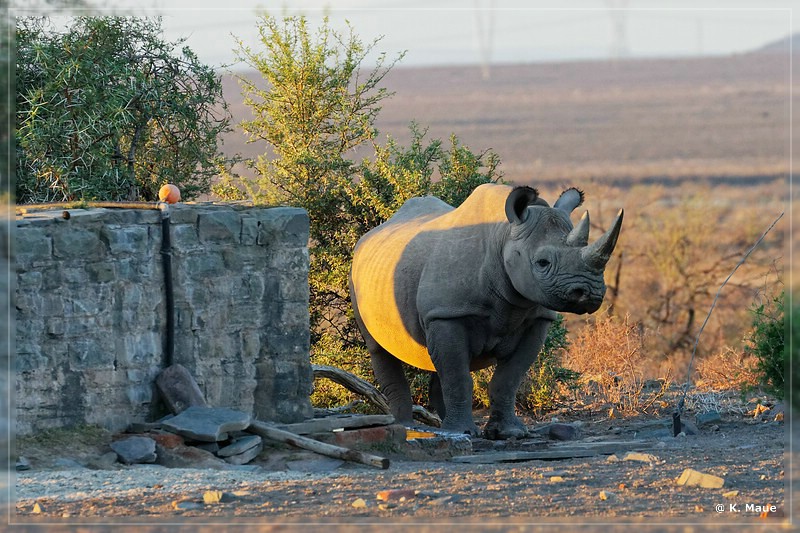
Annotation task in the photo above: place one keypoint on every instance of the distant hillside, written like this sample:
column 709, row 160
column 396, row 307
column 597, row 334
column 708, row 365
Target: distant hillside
column 634, row 119
column 782, row 46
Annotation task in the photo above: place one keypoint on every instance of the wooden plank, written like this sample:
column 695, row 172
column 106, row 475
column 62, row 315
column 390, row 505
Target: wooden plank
column 554, row 453
column 330, row 423
column 270, row 432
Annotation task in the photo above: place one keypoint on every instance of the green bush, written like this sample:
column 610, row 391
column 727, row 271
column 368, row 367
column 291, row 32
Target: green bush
column 108, row 110
column 318, row 104
column 766, row 343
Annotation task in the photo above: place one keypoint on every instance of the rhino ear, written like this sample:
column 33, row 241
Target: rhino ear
column 569, row 200
column 517, row 203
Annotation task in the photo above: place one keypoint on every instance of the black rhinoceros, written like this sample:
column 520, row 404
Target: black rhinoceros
column 454, row 290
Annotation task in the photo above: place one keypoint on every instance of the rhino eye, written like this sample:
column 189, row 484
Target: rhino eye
column 543, row 263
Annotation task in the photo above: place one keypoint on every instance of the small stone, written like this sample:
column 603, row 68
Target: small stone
column 134, row 450
column 606, row 495
column 213, row 496
column 693, row 478
column 359, row 503
column 699, row 509
column 396, row 494
column 612, row 458
column 443, row 500
column 239, row 446
column 556, row 479
column 779, row 417
column 37, row 509
column 730, row 494
column 386, row 506
column 711, row 417
column 23, row 464
column 186, row 505
column 642, row 457
column 562, row 432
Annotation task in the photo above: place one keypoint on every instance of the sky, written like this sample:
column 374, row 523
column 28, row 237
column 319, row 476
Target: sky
column 441, row 32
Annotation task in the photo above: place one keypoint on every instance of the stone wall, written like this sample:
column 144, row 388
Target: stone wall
column 90, row 312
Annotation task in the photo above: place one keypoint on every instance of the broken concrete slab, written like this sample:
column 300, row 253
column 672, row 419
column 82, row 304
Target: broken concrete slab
column 239, row 446
column 179, row 389
column 246, row 456
column 207, row 424
column 135, row 450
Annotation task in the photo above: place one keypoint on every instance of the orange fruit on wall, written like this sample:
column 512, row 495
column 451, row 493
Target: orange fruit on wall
column 169, row 193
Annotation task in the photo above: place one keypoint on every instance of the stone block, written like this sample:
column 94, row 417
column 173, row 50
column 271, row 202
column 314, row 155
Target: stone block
column 220, row 226
column 125, row 239
column 101, row 272
column 207, row 424
column 32, row 245
column 184, row 237
column 203, row 265
column 78, row 243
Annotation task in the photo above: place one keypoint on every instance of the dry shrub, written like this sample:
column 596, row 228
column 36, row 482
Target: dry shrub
column 609, row 355
column 728, row 369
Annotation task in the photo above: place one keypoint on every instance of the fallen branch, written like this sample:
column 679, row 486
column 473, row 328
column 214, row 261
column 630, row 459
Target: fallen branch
column 270, row 432
column 359, row 386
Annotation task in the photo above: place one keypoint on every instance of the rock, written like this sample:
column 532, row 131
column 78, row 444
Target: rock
column 323, row 464
column 562, row 432
column 23, row 464
column 605, row 495
column 612, row 458
column 642, row 457
column 179, row 389
column 104, row 462
column 730, row 494
column 135, row 450
column 188, row 457
column 693, row 478
column 396, row 494
column 207, row 424
column 443, row 500
column 211, row 497
column 212, row 447
column 359, row 503
column 65, row 462
column 246, row 456
column 167, row 440
column 186, row 505
column 711, row 417
column 239, row 446
column 556, row 479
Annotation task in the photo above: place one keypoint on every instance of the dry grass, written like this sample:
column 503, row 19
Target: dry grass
column 609, row 353
column 727, row 369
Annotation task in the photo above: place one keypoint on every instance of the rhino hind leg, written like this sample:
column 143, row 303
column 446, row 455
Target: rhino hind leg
column 435, row 396
column 389, row 374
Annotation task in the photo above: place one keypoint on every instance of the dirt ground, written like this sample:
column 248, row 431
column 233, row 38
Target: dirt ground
column 748, row 453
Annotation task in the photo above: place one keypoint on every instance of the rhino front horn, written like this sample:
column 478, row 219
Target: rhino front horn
column 597, row 254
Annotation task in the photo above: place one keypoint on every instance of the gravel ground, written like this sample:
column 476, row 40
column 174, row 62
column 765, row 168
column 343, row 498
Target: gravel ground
column 747, row 453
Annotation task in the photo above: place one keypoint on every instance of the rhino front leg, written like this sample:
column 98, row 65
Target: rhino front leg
column 448, row 343
column 508, row 374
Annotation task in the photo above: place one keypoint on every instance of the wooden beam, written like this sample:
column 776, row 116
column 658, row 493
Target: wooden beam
column 269, row 431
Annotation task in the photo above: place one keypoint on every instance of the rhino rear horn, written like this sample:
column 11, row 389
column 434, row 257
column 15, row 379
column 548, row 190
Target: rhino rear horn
column 517, row 203
column 579, row 236
column 598, row 253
